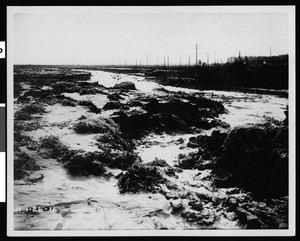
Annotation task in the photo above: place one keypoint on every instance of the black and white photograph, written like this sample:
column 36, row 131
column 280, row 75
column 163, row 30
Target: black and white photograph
column 158, row 120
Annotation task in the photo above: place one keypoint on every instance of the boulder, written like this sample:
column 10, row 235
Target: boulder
column 256, row 157
column 112, row 105
column 125, row 86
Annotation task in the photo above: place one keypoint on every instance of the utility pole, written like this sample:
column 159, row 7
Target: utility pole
column 270, row 51
column 189, row 60
column 196, row 54
column 168, row 62
column 164, row 61
column 207, row 58
column 215, row 58
column 180, row 61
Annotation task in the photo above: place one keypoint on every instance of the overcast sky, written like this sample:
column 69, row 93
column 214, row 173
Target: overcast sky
column 113, row 38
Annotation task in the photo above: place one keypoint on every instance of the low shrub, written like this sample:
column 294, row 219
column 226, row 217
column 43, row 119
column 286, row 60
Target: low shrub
column 140, row 177
column 100, row 125
column 53, row 143
column 23, row 165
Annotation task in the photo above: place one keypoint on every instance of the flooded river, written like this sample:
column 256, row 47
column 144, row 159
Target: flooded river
column 94, row 203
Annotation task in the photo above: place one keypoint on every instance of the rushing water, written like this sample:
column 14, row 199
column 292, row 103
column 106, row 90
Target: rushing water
column 106, row 208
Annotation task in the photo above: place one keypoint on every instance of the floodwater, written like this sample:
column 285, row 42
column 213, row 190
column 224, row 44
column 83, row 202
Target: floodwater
column 94, row 203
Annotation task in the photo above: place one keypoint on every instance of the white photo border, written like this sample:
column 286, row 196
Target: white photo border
column 289, row 9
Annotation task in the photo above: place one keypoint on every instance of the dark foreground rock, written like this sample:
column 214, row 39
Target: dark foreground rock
column 256, row 158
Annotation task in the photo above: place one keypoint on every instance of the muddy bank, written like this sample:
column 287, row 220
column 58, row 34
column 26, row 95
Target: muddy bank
column 87, row 149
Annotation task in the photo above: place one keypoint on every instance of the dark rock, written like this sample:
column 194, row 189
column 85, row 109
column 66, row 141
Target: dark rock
column 171, row 185
column 115, row 97
column 286, row 120
column 177, row 206
column 171, row 195
column 232, row 203
column 88, row 91
column 179, row 141
column 112, row 105
column 92, row 107
column 204, row 165
column 224, row 181
column 198, row 206
column 125, row 86
column 209, row 147
column 136, row 103
column 199, row 217
column 68, row 103
column 159, row 163
column 250, row 220
column 192, row 145
column 257, row 159
column 83, row 117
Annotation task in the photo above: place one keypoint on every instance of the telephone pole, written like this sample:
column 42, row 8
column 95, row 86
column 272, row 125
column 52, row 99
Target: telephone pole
column 196, row 54
column 207, row 58
column 147, row 59
column 189, row 60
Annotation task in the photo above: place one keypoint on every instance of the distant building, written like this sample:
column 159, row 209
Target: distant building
column 231, row 59
column 260, row 60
